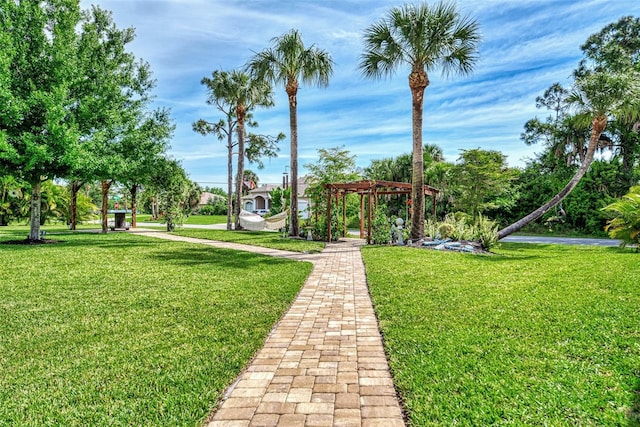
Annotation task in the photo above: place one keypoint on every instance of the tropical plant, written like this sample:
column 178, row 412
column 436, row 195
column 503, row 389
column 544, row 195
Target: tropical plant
column 288, row 62
column 596, row 95
column 626, row 222
column 423, row 38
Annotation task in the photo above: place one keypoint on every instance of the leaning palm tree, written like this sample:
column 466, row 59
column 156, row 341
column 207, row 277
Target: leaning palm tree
column 423, row 38
column 290, row 63
column 597, row 95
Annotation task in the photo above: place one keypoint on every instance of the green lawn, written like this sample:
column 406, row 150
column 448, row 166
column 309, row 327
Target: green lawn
column 191, row 219
column 537, row 335
column 119, row 329
column 268, row 239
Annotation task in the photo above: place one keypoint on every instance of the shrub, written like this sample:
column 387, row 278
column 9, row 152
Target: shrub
column 626, row 223
column 485, row 232
column 381, row 227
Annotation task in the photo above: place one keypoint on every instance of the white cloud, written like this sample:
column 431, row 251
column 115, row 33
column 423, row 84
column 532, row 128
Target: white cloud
column 527, row 46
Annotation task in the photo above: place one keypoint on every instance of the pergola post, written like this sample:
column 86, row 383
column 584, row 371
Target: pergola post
column 361, row 215
column 329, row 215
column 369, row 217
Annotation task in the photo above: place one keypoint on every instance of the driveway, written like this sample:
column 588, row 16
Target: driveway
column 561, row 240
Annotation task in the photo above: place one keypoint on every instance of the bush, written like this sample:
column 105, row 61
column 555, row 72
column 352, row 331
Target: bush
column 381, row 227
column 459, row 227
column 486, row 232
column 626, row 223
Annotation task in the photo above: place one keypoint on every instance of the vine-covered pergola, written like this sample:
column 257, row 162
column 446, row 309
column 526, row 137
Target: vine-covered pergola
column 371, row 190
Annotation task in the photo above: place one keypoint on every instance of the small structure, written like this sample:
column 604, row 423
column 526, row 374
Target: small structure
column 371, row 190
column 119, row 221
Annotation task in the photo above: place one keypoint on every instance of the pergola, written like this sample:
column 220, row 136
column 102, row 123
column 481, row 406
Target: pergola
column 371, row 189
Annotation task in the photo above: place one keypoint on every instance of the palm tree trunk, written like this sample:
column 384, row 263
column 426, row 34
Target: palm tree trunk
column 294, row 226
column 597, row 127
column 229, row 179
column 240, row 114
column 36, row 190
column 418, row 82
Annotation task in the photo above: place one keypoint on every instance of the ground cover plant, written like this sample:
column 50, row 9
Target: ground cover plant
column 534, row 335
column 119, row 329
column 267, row 239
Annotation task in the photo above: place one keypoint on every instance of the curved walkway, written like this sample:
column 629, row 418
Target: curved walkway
column 323, row 364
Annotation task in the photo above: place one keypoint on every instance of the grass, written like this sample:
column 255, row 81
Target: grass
column 191, row 219
column 120, row 329
column 268, row 239
column 537, row 335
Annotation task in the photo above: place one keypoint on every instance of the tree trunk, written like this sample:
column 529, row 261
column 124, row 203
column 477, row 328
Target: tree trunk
column 75, row 188
column 240, row 114
column 134, row 205
column 36, row 189
column 597, row 127
column 418, row 82
column 294, row 226
column 229, row 179
column 105, row 204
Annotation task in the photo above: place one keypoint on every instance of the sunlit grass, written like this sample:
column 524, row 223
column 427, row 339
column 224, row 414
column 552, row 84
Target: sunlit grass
column 537, row 335
column 120, row 329
column 268, row 239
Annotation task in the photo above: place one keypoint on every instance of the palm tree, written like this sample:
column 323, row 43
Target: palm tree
column 241, row 93
column 245, row 93
column 423, row 38
column 597, row 95
column 290, row 63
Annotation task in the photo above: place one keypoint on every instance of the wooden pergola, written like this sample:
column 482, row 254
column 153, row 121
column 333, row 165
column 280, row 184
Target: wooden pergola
column 371, row 189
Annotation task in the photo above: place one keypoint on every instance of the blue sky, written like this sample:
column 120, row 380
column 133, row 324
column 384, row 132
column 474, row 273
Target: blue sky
column 526, row 46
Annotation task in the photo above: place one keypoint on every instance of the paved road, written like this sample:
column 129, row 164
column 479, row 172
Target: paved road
column 561, row 240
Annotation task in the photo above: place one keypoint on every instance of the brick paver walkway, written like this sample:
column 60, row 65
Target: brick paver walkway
column 323, row 364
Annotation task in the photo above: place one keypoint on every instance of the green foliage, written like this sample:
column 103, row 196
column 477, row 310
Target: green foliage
column 119, row 329
column 445, row 230
column 485, row 232
column 334, row 165
column 626, row 222
column 380, row 226
column 482, row 179
column 173, row 189
column 13, row 203
column 280, row 200
column 536, row 332
column 214, row 206
column 462, row 227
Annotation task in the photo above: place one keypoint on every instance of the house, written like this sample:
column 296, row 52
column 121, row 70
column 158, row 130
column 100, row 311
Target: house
column 258, row 200
column 205, row 196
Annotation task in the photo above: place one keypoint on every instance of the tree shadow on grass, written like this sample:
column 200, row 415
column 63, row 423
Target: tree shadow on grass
column 216, row 256
column 634, row 413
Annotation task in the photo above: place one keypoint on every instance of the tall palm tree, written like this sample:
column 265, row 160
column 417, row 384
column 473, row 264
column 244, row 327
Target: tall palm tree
column 290, row 63
column 597, row 95
column 234, row 93
column 423, row 38
column 246, row 93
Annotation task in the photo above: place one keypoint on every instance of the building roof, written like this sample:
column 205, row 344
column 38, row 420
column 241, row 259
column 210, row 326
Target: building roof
column 205, row 196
